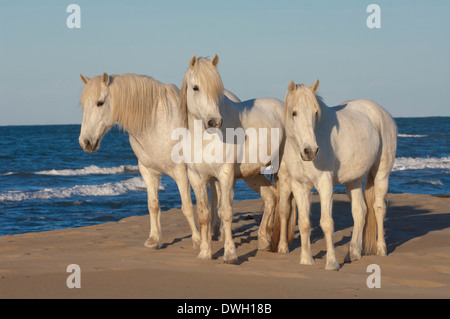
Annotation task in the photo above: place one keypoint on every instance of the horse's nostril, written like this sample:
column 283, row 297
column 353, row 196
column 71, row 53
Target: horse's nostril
column 215, row 122
column 307, row 151
column 87, row 143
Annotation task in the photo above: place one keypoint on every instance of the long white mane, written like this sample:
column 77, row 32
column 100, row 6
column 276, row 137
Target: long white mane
column 134, row 99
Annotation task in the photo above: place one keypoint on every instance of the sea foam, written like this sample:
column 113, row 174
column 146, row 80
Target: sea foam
column 404, row 163
column 411, row 135
column 92, row 169
column 108, row 189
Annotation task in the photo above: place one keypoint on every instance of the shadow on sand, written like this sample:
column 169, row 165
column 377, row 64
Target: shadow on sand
column 402, row 223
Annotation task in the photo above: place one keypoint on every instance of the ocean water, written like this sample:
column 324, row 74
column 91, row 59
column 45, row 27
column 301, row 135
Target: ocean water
column 47, row 181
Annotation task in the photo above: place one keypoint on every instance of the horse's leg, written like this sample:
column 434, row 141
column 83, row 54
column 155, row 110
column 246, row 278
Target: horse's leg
column 263, row 187
column 226, row 182
column 214, row 192
column 381, row 188
column 325, row 189
column 302, row 197
column 203, row 214
column 181, row 178
column 284, row 191
column 151, row 179
column 359, row 210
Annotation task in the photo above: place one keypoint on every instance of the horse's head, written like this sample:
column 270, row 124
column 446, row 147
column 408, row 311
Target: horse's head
column 97, row 119
column 302, row 112
column 202, row 91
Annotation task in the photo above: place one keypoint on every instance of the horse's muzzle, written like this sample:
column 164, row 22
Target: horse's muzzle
column 89, row 146
column 309, row 153
column 214, row 123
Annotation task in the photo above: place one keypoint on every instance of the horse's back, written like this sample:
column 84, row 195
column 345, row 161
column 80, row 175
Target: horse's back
column 348, row 140
column 365, row 131
column 262, row 112
column 380, row 117
column 375, row 111
column 386, row 128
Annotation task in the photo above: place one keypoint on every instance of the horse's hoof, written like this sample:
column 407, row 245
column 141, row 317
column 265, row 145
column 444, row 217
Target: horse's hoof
column 352, row 256
column 307, row 261
column 230, row 261
column 381, row 251
column 283, row 249
column 263, row 245
column 230, row 257
column 152, row 244
column 332, row 265
column 204, row 255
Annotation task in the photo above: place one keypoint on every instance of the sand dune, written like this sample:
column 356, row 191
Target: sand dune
column 115, row 264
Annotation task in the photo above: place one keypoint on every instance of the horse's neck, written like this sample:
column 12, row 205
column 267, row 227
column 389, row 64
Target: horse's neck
column 171, row 117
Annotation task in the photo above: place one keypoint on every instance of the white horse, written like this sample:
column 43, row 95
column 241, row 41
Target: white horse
column 335, row 145
column 202, row 95
column 149, row 111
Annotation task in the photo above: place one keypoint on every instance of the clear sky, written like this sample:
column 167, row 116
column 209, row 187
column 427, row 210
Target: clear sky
column 262, row 45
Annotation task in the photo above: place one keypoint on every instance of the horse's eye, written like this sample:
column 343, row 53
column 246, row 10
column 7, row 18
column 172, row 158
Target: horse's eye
column 195, row 88
column 100, row 103
column 294, row 113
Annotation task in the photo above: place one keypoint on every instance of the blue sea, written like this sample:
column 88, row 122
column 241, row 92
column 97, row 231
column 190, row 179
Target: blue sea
column 47, row 181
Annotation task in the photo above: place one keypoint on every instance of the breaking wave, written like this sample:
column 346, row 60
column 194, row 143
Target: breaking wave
column 108, row 189
column 411, row 135
column 404, row 163
column 90, row 170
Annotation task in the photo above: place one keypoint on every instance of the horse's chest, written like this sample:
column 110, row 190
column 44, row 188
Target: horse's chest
column 297, row 170
column 153, row 152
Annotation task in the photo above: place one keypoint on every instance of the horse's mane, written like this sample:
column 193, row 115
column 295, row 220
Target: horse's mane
column 306, row 97
column 134, row 98
column 208, row 78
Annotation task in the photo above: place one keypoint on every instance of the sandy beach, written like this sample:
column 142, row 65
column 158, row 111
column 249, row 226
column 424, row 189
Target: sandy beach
column 115, row 264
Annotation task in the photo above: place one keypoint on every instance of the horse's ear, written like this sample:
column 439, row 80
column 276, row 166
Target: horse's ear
column 84, row 78
column 193, row 61
column 315, row 87
column 292, row 87
column 105, row 79
column 215, row 60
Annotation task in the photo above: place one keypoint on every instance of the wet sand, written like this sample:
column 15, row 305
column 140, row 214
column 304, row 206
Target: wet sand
column 115, row 264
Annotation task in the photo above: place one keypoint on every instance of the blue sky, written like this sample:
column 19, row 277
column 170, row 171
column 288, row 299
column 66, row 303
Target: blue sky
column 262, row 45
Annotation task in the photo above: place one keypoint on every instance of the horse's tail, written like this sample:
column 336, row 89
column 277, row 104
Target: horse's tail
column 370, row 225
column 277, row 222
